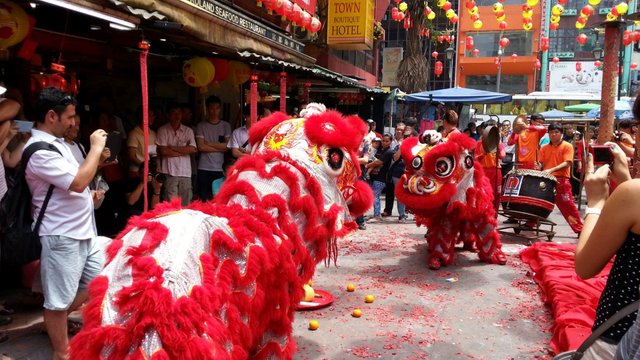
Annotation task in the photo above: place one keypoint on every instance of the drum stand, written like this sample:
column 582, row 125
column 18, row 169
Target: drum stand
column 528, row 223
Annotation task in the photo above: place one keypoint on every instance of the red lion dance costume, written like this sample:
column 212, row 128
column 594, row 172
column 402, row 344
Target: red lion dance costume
column 450, row 195
column 221, row 280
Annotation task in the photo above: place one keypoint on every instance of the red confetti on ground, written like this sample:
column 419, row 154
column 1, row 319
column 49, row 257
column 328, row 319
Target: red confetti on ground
column 363, row 352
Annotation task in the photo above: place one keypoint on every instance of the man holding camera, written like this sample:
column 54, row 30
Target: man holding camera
column 556, row 158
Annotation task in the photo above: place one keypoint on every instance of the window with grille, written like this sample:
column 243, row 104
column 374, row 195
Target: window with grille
column 520, row 42
column 509, row 84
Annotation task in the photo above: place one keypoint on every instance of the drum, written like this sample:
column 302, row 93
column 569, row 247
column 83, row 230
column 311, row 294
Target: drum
column 529, row 191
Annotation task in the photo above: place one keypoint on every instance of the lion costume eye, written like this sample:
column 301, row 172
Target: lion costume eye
column 335, row 160
column 416, row 163
column 445, row 166
column 468, row 161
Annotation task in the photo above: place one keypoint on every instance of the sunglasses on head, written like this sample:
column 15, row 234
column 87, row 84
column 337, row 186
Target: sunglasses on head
column 67, row 100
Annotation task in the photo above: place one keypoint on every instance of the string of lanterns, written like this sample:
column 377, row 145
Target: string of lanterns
column 292, row 12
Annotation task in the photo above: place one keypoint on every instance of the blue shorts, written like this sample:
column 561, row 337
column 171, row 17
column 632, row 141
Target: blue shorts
column 66, row 266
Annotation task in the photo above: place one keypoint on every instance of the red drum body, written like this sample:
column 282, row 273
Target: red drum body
column 529, row 191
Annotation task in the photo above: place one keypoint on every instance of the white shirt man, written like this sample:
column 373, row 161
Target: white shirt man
column 212, row 136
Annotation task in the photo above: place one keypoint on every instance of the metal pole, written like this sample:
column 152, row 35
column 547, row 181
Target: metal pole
column 545, row 54
column 499, row 70
column 626, row 75
column 609, row 80
column 451, row 72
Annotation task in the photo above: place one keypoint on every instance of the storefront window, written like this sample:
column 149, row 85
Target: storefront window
column 362, row 59
column 509, row 84
column 563, row 40
column 491, row 2
column 520, row 42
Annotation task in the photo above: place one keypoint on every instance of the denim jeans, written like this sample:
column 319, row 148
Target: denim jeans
column 377, row 190
column 399, row 205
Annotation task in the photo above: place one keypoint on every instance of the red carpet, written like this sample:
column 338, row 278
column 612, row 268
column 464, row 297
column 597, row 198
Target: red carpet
column 573, row 301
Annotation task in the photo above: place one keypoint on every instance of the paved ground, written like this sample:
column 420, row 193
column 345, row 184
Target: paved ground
column 470, row 310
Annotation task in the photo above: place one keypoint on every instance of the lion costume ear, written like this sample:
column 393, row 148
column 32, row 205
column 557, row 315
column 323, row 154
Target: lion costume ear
column 333, row 130
column 260, row 129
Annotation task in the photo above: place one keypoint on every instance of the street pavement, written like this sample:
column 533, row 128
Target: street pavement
column 470, row 310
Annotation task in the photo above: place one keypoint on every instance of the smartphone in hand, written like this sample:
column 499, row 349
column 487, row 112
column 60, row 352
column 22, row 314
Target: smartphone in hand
column 602, row 154
column 24, row 126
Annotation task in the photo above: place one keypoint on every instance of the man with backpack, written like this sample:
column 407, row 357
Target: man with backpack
column 70, row 258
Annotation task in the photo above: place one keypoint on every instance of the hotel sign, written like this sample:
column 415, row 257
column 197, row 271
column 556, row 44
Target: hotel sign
column 237, row 19
column 350, row 24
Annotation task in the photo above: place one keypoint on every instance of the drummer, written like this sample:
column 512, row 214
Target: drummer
column 527, row 138
column 556, row 158
column 489, row 162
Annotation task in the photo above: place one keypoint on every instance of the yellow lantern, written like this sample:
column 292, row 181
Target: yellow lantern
column 441, row 3
column 239, row 72
column 622, row 8
column 473, row 10
column 554, row 19
column 501, row 18
column 431, row 16
column 579, row 25
column 497, row 7
column 477, row 24
column 557, row 10
column 15, row 24
column 403, row 6
column 198, row 72
column 594, row 2
column 532, row 3
column 527, row 14
column 527, row 26
column 450, row 13
column 611, row 17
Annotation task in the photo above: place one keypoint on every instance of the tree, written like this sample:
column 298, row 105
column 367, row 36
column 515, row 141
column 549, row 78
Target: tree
column 413, row 71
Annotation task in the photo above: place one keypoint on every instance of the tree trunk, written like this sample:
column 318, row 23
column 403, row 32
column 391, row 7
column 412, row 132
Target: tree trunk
column 414, row 69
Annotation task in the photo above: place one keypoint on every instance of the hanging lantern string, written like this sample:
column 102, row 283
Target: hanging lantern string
column 144, row 46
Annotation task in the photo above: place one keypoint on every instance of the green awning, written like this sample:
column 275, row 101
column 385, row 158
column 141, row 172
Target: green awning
column 581, row 107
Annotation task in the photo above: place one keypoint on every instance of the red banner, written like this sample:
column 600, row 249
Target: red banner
column 307, row 5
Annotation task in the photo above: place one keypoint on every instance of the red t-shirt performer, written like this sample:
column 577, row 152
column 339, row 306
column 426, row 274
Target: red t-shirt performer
column 527, row 139
column 556, row 158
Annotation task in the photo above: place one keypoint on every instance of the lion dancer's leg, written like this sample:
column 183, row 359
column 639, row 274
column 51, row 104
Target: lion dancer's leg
column 466, row 237
column 441, row 240
column 488, row 241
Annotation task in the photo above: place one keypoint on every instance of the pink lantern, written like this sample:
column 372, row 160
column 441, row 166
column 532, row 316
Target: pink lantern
column 314, row 25
column 502, row 25
column 504, row 42
column 633, row 66
column 627, row 37
column 597, row 63
column 305, row 19
column 440, row 38
column 437, row 69
column 537, row 64
column 578, row 66
column 514, row 56
column 555, row 60
column 544, row 43
column 434, row 54
column 476, row 52
column 296, row 14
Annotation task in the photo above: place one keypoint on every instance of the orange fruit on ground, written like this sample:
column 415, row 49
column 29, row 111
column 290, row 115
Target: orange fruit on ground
column 351, row 287
column 313, row 325
column 356, row 313
column 368, row 299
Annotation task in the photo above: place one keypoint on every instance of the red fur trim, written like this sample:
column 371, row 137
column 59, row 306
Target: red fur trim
column 331, row 129
column 362, row 199
column 259, row 130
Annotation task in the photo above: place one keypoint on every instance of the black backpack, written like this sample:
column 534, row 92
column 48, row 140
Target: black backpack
column 20, row 242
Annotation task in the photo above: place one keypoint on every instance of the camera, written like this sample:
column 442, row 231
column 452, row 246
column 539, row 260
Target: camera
column 602, row 154
column 153, row 170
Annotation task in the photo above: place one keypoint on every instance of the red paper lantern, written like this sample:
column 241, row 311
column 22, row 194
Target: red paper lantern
column 627, row 37
column 314, row 25
column 537, row 64
column 469, row 43
column 554, row 26
column 633, row 65
column 555, row 60
column 502, row 25
column 474, row 17
column 514, row 56
column 446, row 6
column 470, row 4
column 578, row 66
column 305, row 20
column 597, row 63
column 476, row 52
column 504, row 42
column 562, row 2
column 440, row 38
column 582, row 20
column 544, row 43
column 636, row 36
column 437, row 69
column 587, row 10
column 454, row 19
column 434, row 54
column 296, row 14
column 582, row 39
column 496, row 60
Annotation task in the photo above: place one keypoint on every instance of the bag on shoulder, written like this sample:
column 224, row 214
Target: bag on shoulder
column 20, row 242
